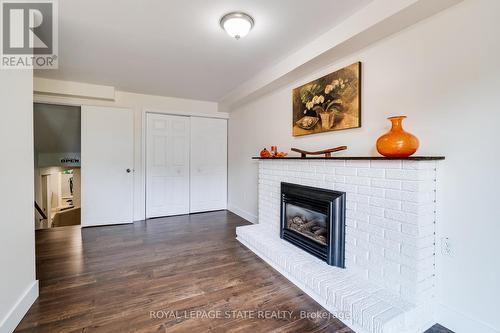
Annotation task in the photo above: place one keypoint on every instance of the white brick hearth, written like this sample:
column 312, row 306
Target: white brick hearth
column 388, row 283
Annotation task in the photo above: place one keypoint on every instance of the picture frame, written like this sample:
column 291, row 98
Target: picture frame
column 330, row 103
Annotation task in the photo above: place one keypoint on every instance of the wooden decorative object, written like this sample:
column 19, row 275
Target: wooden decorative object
column 326, row 152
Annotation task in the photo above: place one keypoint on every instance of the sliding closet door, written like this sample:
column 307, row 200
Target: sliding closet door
column 208, row 164
column 167, row 165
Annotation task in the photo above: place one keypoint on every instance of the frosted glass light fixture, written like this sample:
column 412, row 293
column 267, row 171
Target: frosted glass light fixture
column 237, row 24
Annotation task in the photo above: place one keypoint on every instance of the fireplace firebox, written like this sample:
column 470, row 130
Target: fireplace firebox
column 314, row 220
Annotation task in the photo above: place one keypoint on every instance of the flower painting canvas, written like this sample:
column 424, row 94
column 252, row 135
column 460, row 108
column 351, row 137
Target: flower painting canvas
column 330, row 103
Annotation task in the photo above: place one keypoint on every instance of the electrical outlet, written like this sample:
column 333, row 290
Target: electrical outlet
column 446, row 246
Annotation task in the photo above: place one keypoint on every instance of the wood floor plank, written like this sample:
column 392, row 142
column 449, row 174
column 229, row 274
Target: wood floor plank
column 127, row 278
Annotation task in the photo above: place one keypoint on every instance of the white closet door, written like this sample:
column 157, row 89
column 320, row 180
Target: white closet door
column 107, row 166
column 208, row 164
column 167, row 165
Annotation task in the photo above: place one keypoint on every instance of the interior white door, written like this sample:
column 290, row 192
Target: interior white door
column 167, row 165
column 208, row 164
column 107, row 166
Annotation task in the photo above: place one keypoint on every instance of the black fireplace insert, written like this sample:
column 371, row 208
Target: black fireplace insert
column 314, row 220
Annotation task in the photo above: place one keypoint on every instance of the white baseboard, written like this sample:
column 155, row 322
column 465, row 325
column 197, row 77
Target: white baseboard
column 242, row 213
column 16, row 314
column 461, row 323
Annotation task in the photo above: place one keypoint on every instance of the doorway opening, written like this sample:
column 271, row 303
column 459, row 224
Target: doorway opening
column 57, row 148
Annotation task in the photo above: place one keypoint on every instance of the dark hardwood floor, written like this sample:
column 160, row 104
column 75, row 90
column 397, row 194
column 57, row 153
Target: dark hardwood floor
column 177, row 274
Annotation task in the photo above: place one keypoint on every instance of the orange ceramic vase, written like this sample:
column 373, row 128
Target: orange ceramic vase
column 397, row 142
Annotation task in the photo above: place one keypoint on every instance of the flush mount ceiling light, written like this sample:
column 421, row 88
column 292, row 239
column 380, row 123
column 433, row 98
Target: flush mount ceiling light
column 237, row 24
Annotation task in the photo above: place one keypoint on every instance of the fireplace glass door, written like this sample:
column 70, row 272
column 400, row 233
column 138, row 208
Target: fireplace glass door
column 313, row 219
column 307, row 222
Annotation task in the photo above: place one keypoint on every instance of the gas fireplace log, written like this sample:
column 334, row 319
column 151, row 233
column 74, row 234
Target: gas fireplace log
column 322, row 239
column 298, row 220
column 307, row 225
column 320, row 232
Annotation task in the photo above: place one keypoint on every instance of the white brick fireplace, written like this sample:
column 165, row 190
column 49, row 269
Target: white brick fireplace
column 388, row 283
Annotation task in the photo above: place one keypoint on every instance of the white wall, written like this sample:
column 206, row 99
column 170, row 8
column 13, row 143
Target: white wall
column 18, row 287
column 139, row 104
column 444, row 74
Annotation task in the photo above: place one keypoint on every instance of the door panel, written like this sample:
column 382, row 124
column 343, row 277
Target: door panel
column 208, row 164
column 167, row 165
column 107, row 153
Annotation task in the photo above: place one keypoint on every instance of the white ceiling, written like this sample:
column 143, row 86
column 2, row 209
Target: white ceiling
column 176, row 47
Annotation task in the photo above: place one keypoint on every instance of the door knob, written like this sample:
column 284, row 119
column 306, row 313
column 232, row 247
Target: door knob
column 129, row 171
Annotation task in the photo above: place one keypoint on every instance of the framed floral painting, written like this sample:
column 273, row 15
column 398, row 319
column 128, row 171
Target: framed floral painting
column 330, row 103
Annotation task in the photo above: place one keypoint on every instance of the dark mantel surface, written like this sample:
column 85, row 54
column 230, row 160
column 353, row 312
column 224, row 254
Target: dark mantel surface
column 411, row 158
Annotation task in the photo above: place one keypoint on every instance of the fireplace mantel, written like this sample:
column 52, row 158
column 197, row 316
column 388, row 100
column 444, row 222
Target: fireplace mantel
column 354, row 158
